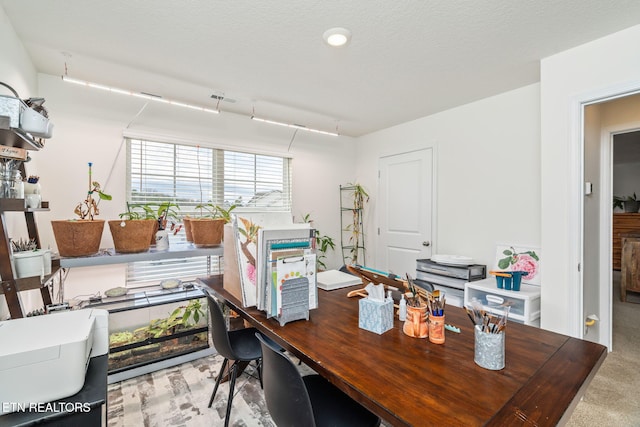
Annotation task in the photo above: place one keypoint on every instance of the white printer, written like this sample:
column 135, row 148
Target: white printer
column 45, row 358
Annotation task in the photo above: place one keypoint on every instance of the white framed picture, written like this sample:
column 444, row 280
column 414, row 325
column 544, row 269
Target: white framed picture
column 510, row 257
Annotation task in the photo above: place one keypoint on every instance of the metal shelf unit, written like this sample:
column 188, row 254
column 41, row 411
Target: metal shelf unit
column 351, row 217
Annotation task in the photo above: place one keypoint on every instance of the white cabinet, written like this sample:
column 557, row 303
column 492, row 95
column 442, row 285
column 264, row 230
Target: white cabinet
column 525, row 303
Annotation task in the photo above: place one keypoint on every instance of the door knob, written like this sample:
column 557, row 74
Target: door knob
column 426, row 243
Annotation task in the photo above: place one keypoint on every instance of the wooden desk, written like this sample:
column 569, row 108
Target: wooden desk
column 412, row 382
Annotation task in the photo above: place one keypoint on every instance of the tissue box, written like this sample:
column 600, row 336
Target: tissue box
column 375, row 316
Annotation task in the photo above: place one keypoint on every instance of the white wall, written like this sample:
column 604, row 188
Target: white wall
column 488, row 172
column 16, row 68
column 89, row 128
column 588, row 72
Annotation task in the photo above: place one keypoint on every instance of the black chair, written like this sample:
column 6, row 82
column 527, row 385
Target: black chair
column 240, row 345
column 294, row 400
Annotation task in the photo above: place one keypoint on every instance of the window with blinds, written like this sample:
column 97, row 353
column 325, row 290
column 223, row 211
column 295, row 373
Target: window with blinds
column 190, row 176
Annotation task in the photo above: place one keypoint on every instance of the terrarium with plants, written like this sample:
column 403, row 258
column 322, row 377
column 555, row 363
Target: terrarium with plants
column 182, row 330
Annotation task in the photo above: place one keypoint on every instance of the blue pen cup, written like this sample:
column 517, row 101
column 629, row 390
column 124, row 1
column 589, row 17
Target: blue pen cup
column 511, row 283
column 517, row 278
column 508, row 281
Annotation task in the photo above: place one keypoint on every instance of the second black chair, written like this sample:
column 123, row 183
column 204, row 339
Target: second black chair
column 294, row 400
column 240, row 345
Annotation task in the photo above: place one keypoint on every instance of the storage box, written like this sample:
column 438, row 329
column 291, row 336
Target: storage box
column 525, row 304
column 12, row 108
column 375, row 316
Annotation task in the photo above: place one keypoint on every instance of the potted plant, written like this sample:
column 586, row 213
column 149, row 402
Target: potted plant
column 208, row 230
column 28, row 260
column 323, row 244
column 81, row 237
column 630, row 204
column 355, row 228
column 132, row 233
column 160, row 213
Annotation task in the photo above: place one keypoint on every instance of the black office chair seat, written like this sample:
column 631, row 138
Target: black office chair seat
column 332, row 407
column 245, row 347
column 311, row 400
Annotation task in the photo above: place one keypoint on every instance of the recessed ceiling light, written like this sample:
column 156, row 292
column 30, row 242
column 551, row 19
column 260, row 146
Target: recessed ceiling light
column 337, row 37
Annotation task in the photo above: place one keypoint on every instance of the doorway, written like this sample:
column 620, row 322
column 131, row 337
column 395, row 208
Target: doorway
column 406, row 210
column 610, row 161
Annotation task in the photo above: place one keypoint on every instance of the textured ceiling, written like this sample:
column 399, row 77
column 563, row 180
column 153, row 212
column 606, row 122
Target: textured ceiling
column 407, row 59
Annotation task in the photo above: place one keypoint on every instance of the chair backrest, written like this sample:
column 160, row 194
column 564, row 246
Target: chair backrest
column 284, row 390
column 219, row 332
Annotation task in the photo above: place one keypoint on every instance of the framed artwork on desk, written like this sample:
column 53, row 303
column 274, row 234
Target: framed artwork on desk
column 510, row 257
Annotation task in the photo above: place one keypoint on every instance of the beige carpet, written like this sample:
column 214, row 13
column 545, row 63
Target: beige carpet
column 612, row 397
column 179, row 396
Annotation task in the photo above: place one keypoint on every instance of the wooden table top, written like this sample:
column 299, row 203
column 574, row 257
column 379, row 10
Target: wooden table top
column 410, row 381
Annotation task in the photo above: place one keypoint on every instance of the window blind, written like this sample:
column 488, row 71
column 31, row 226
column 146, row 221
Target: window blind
column 191, row 176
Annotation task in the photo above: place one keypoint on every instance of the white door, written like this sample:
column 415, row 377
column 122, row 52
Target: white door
column 405, row 210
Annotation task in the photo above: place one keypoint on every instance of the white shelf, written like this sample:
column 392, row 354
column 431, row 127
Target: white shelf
column 525, row 303
column 109, row 256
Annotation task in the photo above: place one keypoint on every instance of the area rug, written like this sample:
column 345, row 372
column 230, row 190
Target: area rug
column 179, row 396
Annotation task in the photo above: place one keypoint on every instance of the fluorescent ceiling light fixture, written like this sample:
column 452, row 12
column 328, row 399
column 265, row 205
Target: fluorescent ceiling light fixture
column 300, row 127
column 337, row 37
column 147, row 96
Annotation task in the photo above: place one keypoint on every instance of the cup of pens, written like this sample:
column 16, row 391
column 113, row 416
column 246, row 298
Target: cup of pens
column 436, row 328
column 489, row 349
column 489, row 332
column 436, row 303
